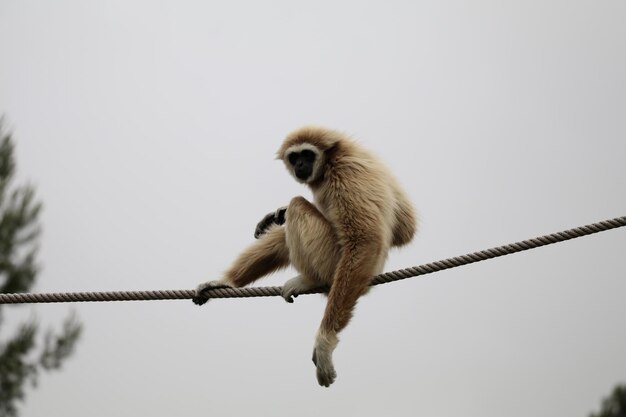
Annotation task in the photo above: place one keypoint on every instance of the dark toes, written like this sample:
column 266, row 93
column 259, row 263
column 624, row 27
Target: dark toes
column 198, row 300
column 326, row 379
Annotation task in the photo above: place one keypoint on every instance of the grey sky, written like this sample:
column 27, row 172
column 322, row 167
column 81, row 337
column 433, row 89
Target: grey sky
column 150, row 130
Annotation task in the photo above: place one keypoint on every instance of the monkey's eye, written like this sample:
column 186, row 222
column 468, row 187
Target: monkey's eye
column 308, row 155
column 293, row 158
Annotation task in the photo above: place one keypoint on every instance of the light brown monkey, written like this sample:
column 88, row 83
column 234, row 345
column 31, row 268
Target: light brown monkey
column 340, row 242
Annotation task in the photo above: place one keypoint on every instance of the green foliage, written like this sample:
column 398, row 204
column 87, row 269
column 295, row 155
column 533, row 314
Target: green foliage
column 615, row 404
column 58, row 347
column 20, row 362
column 14, row 370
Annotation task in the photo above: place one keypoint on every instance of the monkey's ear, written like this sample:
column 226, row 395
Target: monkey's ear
column 331, row 150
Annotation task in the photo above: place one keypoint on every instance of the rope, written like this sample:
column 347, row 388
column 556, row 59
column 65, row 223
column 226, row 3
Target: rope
column 384, row 278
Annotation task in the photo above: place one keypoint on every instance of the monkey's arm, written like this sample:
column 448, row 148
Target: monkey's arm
column 266, row 255
column 362, row 254
column 276, row 217
column 355, row 270
column 199, row 298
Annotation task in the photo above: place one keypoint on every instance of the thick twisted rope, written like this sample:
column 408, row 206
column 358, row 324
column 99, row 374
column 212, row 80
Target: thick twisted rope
column 384, row 278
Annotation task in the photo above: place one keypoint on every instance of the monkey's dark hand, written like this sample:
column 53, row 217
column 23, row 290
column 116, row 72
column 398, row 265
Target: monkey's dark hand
column 276, row 217
column 200, row 298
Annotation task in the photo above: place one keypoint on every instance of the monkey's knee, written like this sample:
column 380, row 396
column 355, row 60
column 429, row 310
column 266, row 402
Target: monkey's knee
column 297, row 207
column 299, row 201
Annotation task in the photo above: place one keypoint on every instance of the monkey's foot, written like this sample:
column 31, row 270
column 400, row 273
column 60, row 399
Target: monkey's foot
column 295, row 286
column 277, row 217
column 325, row 344
column 326, row 373
column 199, row 298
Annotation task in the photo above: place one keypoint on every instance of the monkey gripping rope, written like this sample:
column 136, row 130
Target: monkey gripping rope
column 276, row 291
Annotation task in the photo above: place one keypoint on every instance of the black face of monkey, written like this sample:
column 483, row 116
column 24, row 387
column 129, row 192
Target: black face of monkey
column 302, row 163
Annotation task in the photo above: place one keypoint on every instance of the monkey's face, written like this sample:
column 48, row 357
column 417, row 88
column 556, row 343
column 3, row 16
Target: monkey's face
column 304, row 161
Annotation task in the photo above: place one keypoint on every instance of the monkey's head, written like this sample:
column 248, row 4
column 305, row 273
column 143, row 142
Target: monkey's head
column 305, row 152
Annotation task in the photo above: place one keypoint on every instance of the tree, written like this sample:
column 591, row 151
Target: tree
column 615, row 404
column 21, row 360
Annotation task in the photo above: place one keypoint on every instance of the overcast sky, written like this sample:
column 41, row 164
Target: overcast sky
column 150, row 129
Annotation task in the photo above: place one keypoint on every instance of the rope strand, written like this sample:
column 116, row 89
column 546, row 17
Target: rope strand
column 384, row 278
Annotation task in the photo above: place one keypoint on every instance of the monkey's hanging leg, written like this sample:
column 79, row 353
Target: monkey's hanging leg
column 357, row 266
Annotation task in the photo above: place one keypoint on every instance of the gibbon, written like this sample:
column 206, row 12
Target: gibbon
column 339, row 242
